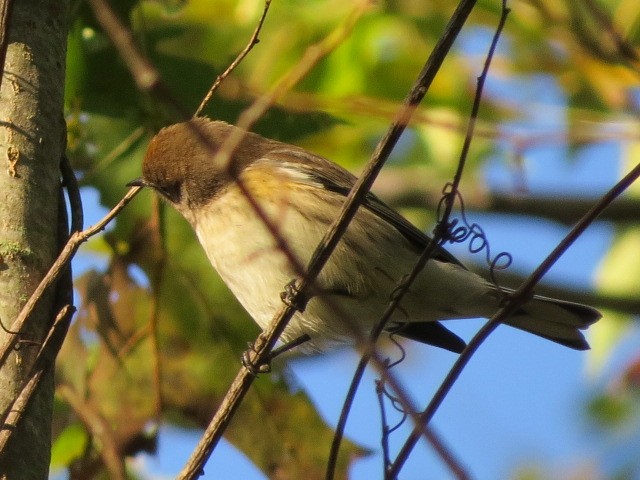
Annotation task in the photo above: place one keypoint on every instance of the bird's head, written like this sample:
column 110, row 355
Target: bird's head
column 182, row 162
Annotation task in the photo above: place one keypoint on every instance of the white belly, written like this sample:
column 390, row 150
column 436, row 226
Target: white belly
column 360, row 275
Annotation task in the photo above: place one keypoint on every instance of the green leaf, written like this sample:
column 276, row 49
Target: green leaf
column 69, row 445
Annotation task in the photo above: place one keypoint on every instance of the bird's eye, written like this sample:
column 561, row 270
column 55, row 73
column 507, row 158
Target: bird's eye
column 171, row 191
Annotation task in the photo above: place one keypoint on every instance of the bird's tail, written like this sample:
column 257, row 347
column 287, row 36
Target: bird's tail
column 556, row 320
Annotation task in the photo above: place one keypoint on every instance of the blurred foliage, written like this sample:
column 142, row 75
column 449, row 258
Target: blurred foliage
column 158, row 338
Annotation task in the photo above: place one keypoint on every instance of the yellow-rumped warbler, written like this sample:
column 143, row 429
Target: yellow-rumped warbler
column 302, row 193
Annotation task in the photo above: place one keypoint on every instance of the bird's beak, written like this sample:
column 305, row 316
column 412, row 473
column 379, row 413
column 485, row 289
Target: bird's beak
column 138, row 182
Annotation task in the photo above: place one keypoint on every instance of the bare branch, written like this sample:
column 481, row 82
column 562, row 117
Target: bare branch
column 253, row 41
column 99, row 428
column 144, row 73
column 44, row 360
column 450, row 195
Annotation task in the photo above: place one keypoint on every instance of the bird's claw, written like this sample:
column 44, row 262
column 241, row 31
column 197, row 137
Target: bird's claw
column 249, row 362
column 292, row 297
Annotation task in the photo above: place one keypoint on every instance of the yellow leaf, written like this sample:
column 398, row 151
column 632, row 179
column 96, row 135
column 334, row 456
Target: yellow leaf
column 603, row 337
column 619, row 273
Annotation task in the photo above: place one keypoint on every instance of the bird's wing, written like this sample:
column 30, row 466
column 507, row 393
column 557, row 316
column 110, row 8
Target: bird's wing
column 305, row 167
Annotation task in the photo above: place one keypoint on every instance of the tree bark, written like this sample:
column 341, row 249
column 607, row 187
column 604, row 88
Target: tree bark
column 32, row 142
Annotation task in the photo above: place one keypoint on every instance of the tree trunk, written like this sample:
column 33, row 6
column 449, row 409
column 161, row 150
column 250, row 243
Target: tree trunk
column 32, row 133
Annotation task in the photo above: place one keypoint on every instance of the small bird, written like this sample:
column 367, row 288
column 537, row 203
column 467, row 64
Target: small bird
column 302, row 193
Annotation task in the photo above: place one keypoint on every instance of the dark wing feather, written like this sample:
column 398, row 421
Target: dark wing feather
column 407, row 229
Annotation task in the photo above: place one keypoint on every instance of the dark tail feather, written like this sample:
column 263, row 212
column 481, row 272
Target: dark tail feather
column 556, row 320
column 431, row 333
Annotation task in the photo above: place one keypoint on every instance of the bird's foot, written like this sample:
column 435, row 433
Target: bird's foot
column 292, row 297
column 249, row 361
column 249, row 356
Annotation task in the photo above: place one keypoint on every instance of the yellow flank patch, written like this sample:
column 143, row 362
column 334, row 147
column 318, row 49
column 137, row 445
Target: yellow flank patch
column 275, row 186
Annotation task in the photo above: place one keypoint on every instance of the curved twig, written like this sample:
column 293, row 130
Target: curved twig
column 253, row 41
column 70, row 182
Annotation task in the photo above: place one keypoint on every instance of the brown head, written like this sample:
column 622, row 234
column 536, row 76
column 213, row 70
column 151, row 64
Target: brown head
column 180, row 161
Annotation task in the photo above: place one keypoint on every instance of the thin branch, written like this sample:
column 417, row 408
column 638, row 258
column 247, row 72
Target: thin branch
column 386, row 457
column 626, row 49
column 451, row 195
column 386, row 144
column 145, row 75
column 100, row 429
column 58, row 268
column 70, row 182
column 440, row 234
column 269, row 337
column 519, row 297
column 446, row 455
column 115, row 153
column 253, row 41
column 44, row 361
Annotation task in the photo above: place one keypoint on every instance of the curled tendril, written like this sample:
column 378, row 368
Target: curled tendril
column 6, row 330
column 395, row 403
column 382, row 389
column 454, row 231
column 18, row 345
column 396, row 342
column 461, row 231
